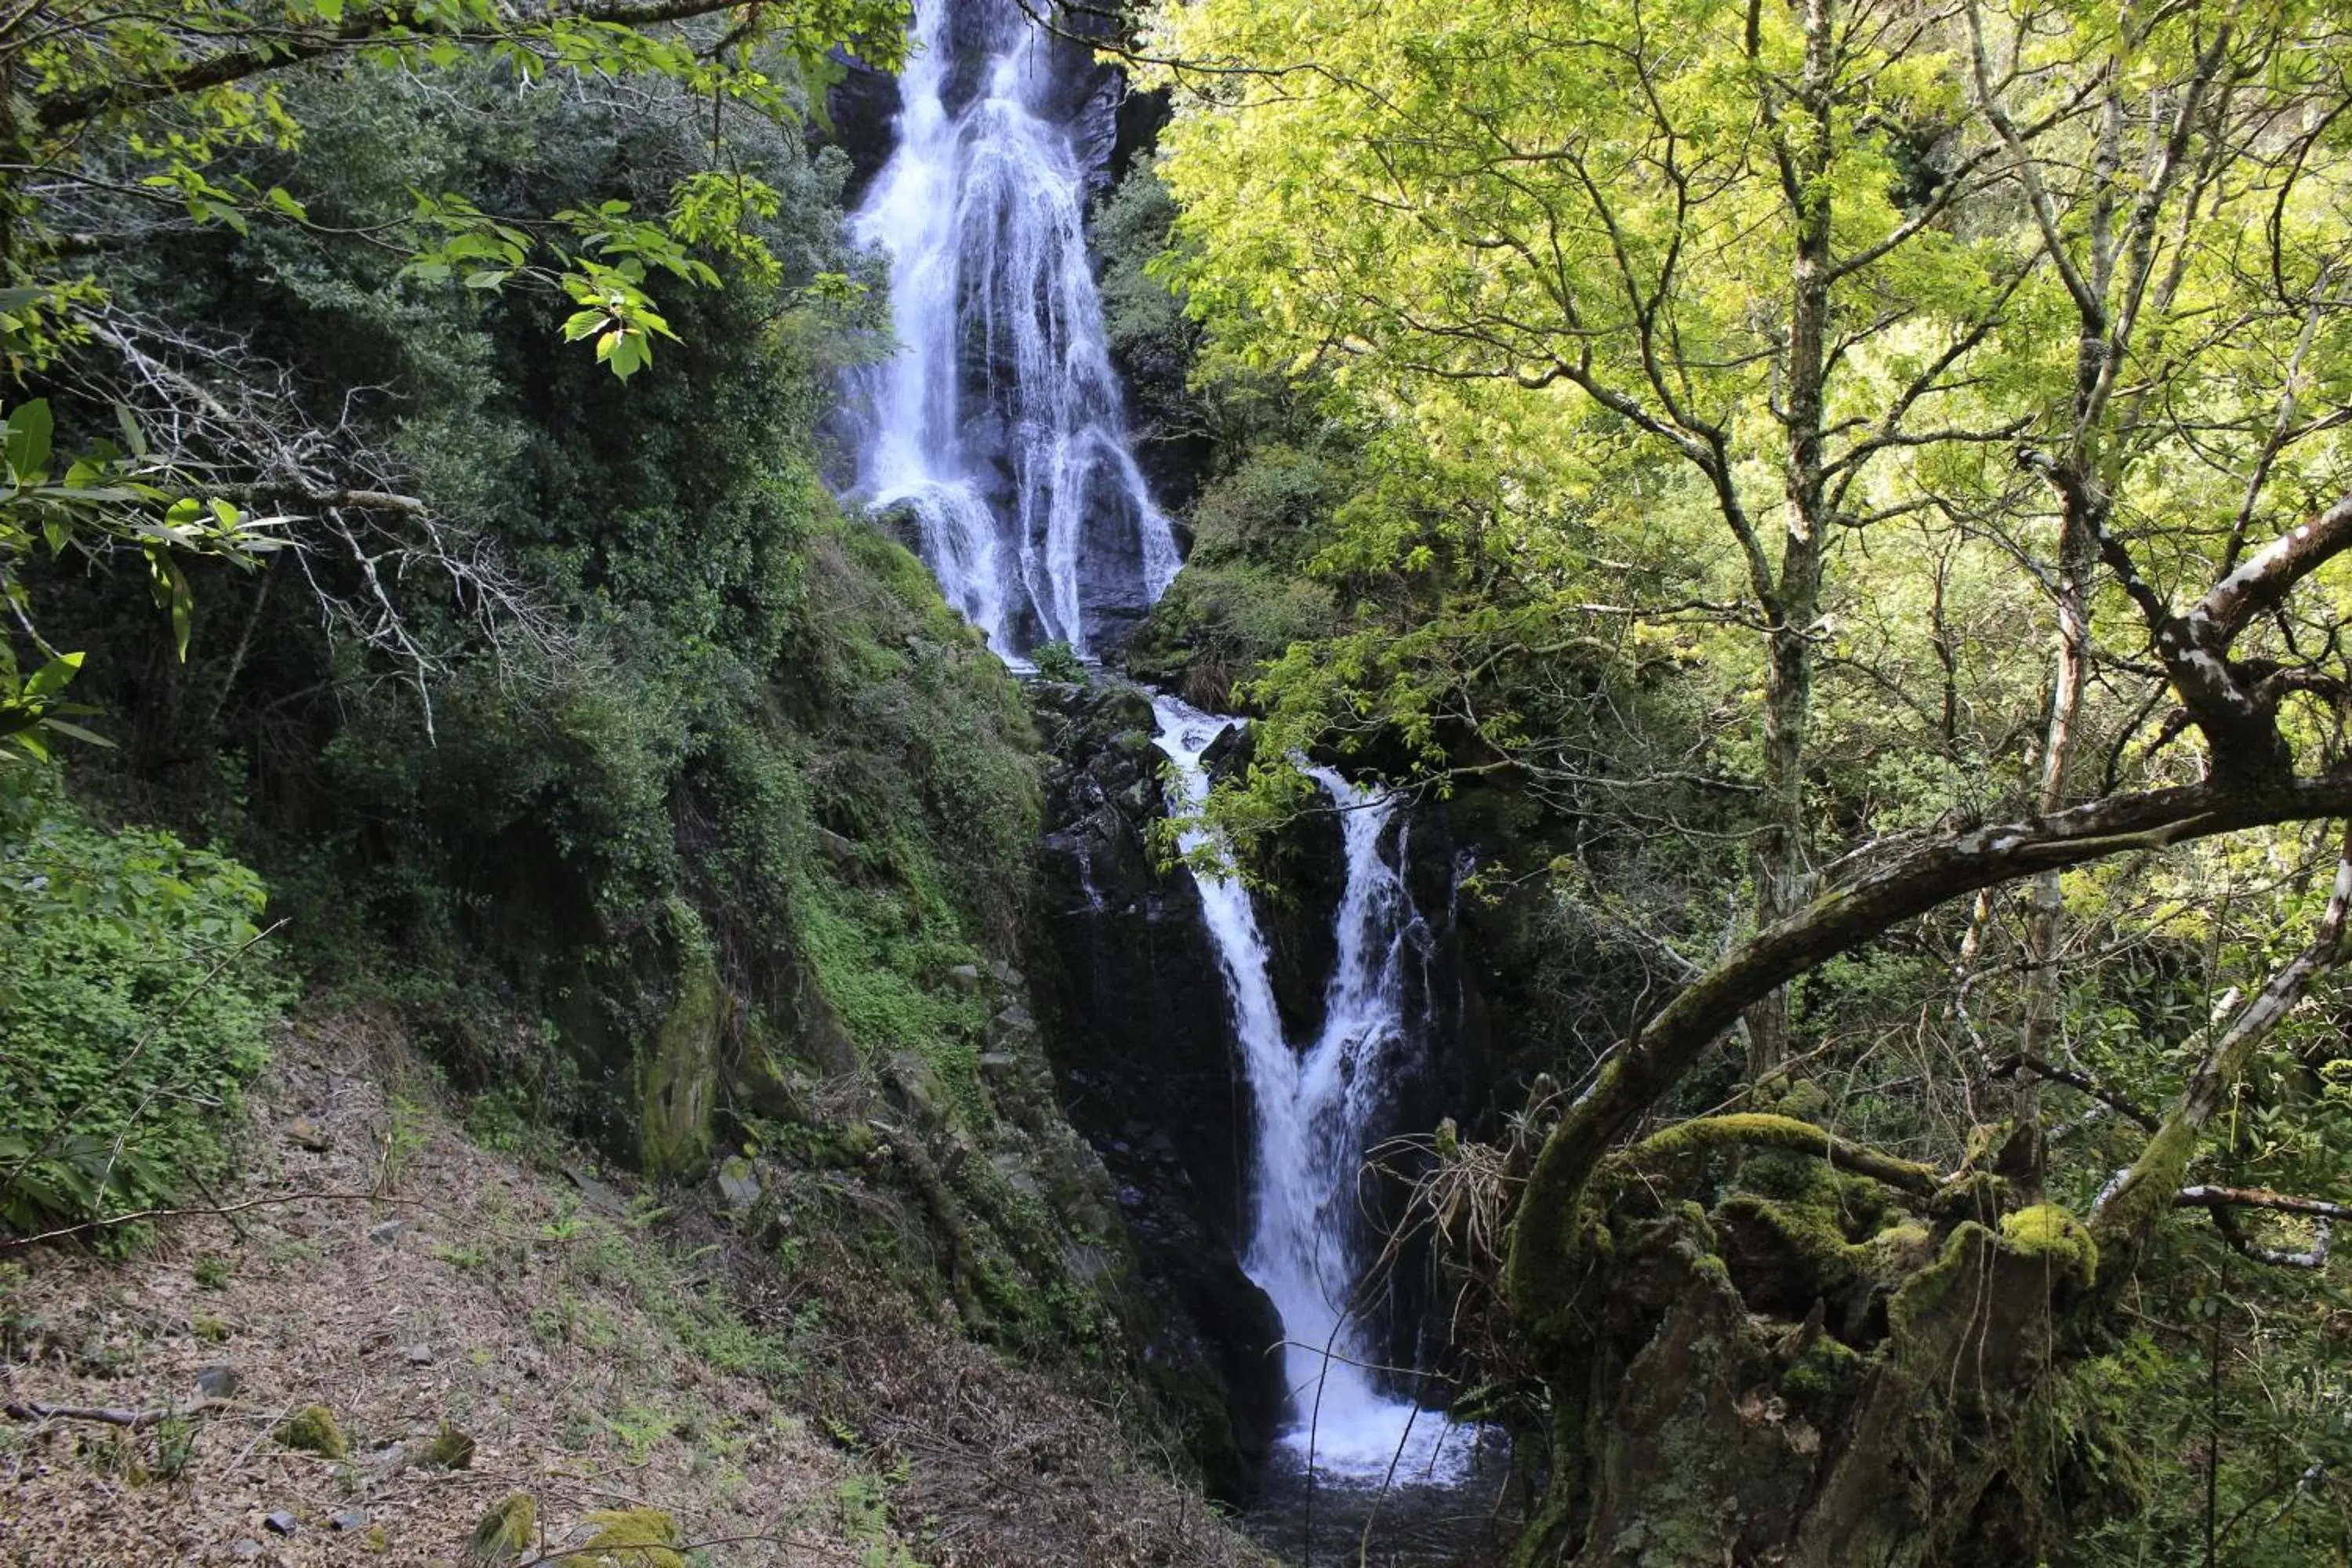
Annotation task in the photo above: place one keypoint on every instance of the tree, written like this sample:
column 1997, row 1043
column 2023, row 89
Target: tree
column 1917, row 308
column 149, row 106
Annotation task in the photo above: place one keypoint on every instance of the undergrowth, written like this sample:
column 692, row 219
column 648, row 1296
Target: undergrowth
column 136, row 1002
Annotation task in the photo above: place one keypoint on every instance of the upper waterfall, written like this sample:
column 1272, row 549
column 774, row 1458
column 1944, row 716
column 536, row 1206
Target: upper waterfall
column 999, row 420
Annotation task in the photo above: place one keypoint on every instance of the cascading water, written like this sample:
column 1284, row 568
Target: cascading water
column 999, row 424
column 1314, row 1110
column 999, row 420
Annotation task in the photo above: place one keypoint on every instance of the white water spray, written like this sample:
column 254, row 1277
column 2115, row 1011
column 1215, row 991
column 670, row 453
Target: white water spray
column 1314, row 1109
column 999, row 420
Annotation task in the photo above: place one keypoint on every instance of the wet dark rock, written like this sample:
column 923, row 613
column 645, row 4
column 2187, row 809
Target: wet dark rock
column 862, row 106
column 599, row 1195
column 1229, row 754
column 1304, row 873
column 1132, row 1008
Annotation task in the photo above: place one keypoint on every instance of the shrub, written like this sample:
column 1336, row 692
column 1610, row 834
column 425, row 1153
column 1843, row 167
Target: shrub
column 1057, row 660
column 134, row 1005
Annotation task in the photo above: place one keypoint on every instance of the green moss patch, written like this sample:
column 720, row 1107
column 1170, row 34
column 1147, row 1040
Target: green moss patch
column 313, row 1430
column 2048, row 1231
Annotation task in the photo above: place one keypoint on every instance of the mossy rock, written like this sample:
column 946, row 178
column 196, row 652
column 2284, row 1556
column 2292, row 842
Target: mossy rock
column 634, row 1538
column 678, row 1073
column 504, row 1535
column 450, row 1449
column 313, row 1430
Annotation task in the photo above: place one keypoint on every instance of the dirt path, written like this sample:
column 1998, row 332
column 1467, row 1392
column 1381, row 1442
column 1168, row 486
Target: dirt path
column 590, row 1369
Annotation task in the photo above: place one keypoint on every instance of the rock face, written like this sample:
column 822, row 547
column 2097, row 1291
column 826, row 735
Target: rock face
column 1134, row 1012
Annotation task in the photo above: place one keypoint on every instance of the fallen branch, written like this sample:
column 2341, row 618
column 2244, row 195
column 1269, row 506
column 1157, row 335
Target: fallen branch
column 139, row 1217
column 2219, row 1198
column 2314, row 1257
column 105, row 1415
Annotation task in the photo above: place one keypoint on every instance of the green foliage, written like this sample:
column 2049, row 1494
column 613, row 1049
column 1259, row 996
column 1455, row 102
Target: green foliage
column 104, row 501
column 135, row 1005
column 863, row 1500
column 1057, row 660
column 188, row 110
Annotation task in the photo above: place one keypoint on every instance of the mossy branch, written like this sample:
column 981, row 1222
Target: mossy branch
column 1766, row 1130
column 1649, row 1065
column 2151, row 1188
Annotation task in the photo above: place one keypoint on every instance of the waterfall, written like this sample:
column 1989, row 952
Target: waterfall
column 1314, row 1110
column 999, row 421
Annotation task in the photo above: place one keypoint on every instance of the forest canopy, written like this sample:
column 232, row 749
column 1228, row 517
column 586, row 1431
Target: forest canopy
column 1891, row 458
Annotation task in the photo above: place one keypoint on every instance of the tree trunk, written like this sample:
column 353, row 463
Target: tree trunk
column 2061, row 738
column 1753, row 1387
column 1801, row 140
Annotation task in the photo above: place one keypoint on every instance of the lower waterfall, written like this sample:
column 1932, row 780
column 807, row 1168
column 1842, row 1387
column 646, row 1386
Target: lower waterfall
column 1315, row 1107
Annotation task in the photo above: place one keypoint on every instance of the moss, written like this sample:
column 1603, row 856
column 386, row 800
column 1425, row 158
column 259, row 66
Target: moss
column 1828, row 1369
column 1985, row 1140
column 504, row 1533
column 313, row 1430
column 1806, row 1102
column 2147, row 1193
column 2048, row 1231
column 1810, row 1232
column 678, row 1072
column 1737, row 1128
column 450, row 1449
column 1897, row 1252
column 1927, row 1288
column 634, row 1538
column 1978, row 1196
column 1792, row 1178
